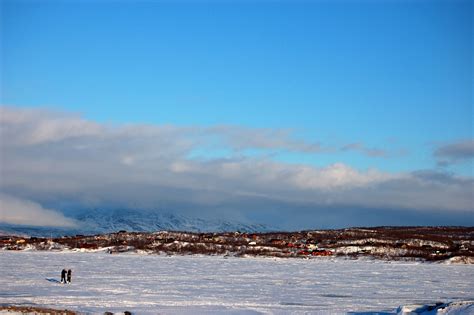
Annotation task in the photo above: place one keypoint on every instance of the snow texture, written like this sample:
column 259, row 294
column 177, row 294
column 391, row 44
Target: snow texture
column 151, row 284
column 452, row 308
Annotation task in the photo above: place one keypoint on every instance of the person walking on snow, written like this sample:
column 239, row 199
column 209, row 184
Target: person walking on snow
column 69, row 276
column 63, row 276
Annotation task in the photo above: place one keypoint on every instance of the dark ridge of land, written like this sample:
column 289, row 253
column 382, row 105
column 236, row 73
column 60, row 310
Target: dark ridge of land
column 409, row 243
column 36, row 310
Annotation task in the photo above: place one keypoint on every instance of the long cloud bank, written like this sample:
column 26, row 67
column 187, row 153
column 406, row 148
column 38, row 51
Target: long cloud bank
column 63, row 160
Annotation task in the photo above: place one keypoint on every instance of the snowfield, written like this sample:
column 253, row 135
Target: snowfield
column 151, row 284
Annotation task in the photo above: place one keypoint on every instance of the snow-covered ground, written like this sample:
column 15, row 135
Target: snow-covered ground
column 151, row 284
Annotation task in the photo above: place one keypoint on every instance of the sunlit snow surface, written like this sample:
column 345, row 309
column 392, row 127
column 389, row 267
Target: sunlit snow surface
column 150, row 284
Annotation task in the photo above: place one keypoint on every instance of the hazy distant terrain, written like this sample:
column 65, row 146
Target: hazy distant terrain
column 106, row 221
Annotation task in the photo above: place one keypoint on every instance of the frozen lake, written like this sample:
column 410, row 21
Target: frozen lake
column 147, row 284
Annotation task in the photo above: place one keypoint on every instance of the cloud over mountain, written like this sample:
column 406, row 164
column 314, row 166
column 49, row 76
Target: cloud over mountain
column 63, row 160
column 25, row 212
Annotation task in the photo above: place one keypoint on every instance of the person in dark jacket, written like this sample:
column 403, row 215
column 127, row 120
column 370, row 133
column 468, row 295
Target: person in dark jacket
column 63, row 276
column 69, row 272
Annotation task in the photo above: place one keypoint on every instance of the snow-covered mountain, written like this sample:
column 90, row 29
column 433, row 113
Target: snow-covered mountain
column 130, row 220
column 104, row 221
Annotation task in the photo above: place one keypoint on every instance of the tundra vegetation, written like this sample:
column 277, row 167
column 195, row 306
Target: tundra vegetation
column 400, row 243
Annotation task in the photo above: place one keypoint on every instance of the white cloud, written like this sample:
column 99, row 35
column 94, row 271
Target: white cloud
column 25, row 212
column 41, row 126
column 58, row 158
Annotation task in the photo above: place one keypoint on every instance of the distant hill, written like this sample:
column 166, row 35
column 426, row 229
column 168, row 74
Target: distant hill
column 105, row 221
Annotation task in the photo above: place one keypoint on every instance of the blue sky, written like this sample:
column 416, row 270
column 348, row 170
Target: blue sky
column 395, row 75
column 384, row 85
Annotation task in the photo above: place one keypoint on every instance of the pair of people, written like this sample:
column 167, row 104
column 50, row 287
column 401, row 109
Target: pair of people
column 66, row 276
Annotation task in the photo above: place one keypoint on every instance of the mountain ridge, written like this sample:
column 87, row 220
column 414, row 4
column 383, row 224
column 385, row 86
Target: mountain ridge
column 97, row 221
